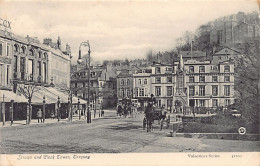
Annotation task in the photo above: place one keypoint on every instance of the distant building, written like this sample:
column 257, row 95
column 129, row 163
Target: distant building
column 236, row 29
column 181, row 85
column 226, row 54
column 195, row 55
column 125, row 84
column 142, row 86
column 102, row 86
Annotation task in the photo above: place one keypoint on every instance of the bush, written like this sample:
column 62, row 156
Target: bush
column 219, row 124
column 197, row 127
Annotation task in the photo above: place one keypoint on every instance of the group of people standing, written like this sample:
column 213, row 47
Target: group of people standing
column 124, row 109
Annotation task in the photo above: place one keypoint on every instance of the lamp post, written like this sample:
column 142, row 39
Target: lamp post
column 79, row 109
column 88, row 67
column 58, row 108
column 43, row 108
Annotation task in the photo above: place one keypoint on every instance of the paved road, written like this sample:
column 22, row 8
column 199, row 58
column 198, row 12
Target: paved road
column 107, row 135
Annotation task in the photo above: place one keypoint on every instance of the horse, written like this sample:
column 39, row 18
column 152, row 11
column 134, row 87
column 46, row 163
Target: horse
column 149, row 114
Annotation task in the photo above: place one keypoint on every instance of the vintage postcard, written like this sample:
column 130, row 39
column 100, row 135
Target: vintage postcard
column 129, row 82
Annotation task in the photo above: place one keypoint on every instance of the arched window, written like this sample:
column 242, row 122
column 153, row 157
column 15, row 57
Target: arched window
column 16, row 48
column 139, row 81
column 31, row 52
column 145, row 81
column 23, row 49
column 40, row 54
column 122, row 82
column 45, row 56
column 128, row 82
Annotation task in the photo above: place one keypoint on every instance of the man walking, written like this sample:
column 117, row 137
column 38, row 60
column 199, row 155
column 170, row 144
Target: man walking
column 39, row 115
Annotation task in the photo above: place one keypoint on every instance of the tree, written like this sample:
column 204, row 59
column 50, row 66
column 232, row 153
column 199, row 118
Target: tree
column 28, row 90
column 247, row 82
column 68, row 91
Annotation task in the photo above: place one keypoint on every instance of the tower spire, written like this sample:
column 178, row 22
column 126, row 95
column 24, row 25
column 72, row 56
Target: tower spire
column 181, row 64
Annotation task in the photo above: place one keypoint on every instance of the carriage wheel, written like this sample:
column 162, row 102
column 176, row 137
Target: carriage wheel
column 168, row 124
column 161, row 124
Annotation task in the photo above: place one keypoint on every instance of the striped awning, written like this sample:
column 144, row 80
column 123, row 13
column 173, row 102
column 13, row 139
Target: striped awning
column 51, row 95
column 7, row 96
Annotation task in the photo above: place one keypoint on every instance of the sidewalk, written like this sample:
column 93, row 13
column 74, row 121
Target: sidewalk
column 55, row 120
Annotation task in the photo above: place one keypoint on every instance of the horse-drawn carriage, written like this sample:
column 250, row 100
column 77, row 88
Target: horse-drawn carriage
column 155, row 113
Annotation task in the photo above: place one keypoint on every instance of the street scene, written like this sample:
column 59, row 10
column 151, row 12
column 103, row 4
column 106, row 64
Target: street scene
column 88, row 77
column 110, row 134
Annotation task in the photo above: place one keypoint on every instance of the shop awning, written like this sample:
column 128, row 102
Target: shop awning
column 51, row 96
column 64, row 96
column 7, row 96
column 41, row 92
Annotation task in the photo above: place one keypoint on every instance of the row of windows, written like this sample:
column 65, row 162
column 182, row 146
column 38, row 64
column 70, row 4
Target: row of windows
column 158, row 69
column 23, row 50
column 4, row 74
column 169, row 91
column 192, row 79
column 214, row 90
column 140, row 81
column 125, row 92
column 158, row 80
column 7, row 49
column 125, row 82
column 202, row 69
column 191, row 69
column 201, row 103
column 215, row 103
column 214, row 79
column 169, row 80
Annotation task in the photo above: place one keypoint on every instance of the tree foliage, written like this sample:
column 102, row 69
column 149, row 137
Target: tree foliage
column 247, row 82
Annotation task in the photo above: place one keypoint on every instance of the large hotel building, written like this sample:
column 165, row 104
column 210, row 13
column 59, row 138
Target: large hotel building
column 182, row 85
column 26, row 63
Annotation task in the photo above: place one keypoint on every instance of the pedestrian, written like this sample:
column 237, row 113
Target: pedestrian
column 102, row 113
column 52, row 115
column 129, row 110
column 144, row 122
column 39, row 115
column 119, row 110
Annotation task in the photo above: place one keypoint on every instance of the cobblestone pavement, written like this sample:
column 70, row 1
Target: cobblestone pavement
column 109, row 134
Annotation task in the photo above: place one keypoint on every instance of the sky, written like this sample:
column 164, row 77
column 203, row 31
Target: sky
column 116, row 29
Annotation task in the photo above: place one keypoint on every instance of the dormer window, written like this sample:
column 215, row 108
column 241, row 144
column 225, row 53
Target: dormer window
column 157, row 70
column 31, row 52
column 45, row 56
column 122, row 82
column 191, row 69
column 40, row 54
column 16, row 48
column 227, row 68
column 139, row 81
column 23, row 49
column 202, row 69
column 145, row 81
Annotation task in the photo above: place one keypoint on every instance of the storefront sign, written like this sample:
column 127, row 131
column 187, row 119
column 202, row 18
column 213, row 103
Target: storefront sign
column 5, row 23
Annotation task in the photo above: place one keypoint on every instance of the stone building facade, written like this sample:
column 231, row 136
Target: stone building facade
column 183, row 85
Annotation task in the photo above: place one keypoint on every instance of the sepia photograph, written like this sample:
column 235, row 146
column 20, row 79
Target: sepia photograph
column 129, row 82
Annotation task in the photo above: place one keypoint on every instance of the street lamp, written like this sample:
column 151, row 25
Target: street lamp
column 58, row 104
column 80, row 61
column 79, row 109
column 43, row 108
